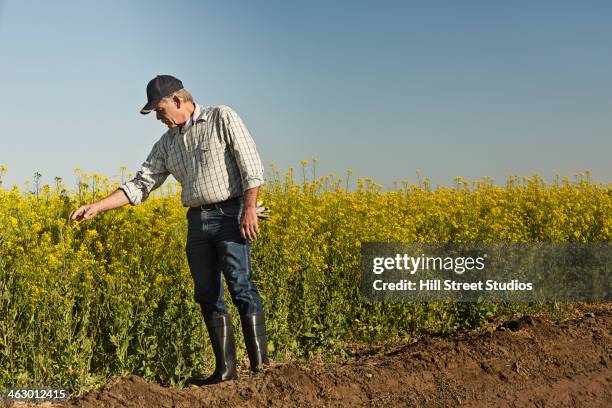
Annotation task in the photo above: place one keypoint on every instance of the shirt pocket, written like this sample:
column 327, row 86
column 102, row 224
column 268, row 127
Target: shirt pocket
column 211, row 153
column 202, row 153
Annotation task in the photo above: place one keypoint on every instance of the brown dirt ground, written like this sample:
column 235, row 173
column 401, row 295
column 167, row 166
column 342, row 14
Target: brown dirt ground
column 530, row 361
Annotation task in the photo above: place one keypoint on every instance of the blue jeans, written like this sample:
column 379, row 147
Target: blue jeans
column 215, row 249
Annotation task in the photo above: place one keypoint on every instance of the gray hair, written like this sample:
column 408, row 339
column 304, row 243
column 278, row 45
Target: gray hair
column 183, row 94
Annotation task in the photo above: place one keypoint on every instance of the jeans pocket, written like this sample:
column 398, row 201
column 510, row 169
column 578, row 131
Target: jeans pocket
column 230, row 211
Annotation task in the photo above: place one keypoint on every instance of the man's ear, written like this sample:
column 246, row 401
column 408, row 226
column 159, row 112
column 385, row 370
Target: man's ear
column 177, row 101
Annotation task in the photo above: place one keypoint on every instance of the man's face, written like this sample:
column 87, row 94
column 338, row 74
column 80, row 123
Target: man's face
column 168, row 112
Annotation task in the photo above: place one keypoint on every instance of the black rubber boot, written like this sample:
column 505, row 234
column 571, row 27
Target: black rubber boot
column 254, row 330
column 221, row 333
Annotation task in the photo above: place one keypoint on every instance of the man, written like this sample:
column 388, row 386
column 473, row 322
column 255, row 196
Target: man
column 211, row 153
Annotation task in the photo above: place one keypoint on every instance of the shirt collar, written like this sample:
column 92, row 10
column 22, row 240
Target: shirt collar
column 199, row 114
column 186, row 126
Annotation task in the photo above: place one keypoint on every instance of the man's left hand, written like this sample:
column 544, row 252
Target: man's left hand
column 249, row 226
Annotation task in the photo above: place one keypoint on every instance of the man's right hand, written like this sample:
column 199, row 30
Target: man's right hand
column 84, row 212
column 117, row 199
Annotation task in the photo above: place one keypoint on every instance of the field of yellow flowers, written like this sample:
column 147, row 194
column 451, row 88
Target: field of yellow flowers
column 80, row 302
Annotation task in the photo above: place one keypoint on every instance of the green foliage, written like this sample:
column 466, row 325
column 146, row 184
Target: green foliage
column 113, row 295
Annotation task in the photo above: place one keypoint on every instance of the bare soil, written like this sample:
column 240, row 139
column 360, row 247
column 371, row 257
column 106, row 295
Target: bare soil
column 525, row 362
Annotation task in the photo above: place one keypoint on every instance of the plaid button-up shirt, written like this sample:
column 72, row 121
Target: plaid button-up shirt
column 214, row 159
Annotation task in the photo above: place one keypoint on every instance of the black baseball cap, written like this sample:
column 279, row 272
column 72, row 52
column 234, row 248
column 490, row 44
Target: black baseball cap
column 158, row 88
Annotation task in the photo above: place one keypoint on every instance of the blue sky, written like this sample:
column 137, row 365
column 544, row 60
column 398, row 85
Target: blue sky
column 468, row 88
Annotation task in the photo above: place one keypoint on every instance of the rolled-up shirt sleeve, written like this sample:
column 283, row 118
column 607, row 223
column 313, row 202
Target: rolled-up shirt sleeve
column 151, row 175
column 248, row 160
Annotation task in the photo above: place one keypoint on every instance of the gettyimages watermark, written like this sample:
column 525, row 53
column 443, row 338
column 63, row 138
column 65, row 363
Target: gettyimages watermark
column 474, row 272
